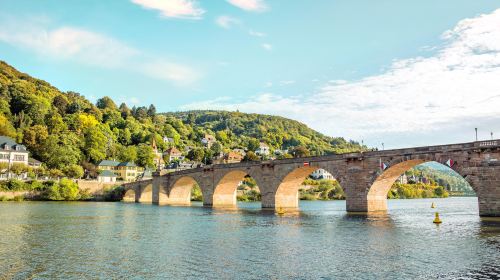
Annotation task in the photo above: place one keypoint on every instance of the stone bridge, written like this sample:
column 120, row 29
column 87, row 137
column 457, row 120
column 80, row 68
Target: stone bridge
column 366, row 177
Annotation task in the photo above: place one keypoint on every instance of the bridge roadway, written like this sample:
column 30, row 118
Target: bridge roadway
column 364, row 181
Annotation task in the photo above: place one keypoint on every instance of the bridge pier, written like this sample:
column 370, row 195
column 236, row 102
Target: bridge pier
column 486, row 183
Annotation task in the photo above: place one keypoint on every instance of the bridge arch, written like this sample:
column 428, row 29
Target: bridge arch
column 378, row 190
column 287, row 193
column 129, row 196
column 225, row 190
column 146, row 193
column 180, row 192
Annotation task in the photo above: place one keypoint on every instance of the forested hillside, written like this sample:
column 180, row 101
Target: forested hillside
column 65, row 129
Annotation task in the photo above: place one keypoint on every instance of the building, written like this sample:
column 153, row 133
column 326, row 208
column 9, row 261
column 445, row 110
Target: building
column 34, row 163
column 263, row 149
column 240, row 151
column 172, row 154
column 168, row 140
column 321, row 174
column 157, row 154
column 126, row 171
column 233, row 157
column 106, row 176
column 11, row 153
column 208, row 140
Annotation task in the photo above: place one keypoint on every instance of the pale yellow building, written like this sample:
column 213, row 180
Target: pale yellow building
column 126, row 171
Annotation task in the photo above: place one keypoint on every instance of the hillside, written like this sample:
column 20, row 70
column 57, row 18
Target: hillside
column 65, row 129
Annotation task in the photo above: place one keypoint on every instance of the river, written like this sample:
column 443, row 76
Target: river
column 100, row 240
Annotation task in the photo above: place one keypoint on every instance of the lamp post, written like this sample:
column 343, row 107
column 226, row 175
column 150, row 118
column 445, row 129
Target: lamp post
column 476, row 133
column 491, row 135
column 383, row 147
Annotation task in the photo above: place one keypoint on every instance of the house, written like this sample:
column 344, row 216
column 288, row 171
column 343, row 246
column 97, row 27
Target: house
column 208, row 140
column 321, row 174
column 34, row 163
column 240, row 151
column 279, row 152
column 233, row 157
column 263, row 149
column 168, row 140
column 173, row 154
column 11, row 153
column 126, row 171
column 106, row 176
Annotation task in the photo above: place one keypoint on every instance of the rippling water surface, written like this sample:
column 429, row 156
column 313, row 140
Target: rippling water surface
column 46, row 240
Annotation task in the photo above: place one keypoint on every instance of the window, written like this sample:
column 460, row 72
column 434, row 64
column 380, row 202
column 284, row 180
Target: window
column 19, row 157
column 4, row 156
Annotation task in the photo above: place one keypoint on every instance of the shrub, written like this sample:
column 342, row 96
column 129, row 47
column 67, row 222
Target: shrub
column 18, row 198
column 64, row 190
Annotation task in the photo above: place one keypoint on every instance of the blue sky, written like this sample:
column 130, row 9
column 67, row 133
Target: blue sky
column 345, row 68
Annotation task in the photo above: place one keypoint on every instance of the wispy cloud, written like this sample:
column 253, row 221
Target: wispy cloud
column 91, row 48
column 227, row 21
column 460, row 82
column 267, row 46
column 185, row 9
column 287, row 82
column 256, row 33
column 250, row 5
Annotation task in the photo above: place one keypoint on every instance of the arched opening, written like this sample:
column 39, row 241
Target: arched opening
column 180, row 194
column 416, row 179
column 307, row 183
column 129, row 196
column 235, row 186
column 146, row 194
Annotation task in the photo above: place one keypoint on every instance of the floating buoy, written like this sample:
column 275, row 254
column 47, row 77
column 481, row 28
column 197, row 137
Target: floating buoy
column 437, row 220
column 433, row 205
column 280, row 211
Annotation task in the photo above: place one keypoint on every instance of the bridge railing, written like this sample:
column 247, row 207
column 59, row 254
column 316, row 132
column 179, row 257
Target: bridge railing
column 488, row 143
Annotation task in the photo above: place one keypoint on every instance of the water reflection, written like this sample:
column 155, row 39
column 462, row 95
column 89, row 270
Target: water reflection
column 319, row 240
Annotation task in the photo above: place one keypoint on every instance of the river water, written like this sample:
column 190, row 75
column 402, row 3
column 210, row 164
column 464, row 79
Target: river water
column 99, row 240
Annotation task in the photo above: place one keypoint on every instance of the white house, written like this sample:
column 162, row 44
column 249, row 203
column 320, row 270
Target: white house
column 321, row 174
column 11, row 153
column 263, row 149
column 106, row 176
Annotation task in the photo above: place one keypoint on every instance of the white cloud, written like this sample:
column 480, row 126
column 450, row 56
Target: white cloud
column 226, row 21
column 186, row 9
column 91, row 48
column 256, row 33
column 420, row 100
column 250, row 5
column 267, row 46
column 177, row 73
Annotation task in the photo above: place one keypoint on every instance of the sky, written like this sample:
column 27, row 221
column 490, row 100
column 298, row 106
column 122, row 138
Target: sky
column 402, row 73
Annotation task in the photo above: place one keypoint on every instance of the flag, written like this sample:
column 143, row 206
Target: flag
column 383, row 166
column 450, row 162
column 306, row 163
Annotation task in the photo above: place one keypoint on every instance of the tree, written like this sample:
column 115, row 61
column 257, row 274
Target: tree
column 253, row 144
column 301, row 151
column 128, row 154
column 18, row 168
column 61, row 103
column 96, row 144
column 216, row 148
column 151, row 111
column 64, row 190
column 196, row 155
column 6, row 128
column 105, row 103
column 35, row 136
column 73, row 171
column 145, row 156
column 4, row 167
column 62, row 150
column 55, row 173
column 124, row 110
column 251, row 156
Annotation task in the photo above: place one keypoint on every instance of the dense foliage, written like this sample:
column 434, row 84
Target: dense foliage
column 64, row 129
column 64, row 189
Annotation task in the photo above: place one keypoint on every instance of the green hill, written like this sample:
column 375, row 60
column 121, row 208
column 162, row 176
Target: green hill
column 64, row 128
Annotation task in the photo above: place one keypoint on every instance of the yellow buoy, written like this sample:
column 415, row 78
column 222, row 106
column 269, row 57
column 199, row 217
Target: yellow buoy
column 433, row 205
column 280, row 211
column 437, row 220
